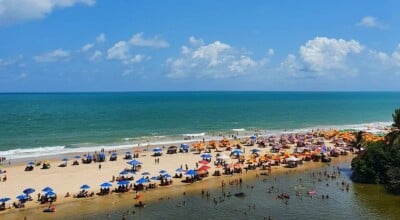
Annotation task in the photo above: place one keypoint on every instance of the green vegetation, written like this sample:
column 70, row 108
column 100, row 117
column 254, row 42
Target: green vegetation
column 380, row 162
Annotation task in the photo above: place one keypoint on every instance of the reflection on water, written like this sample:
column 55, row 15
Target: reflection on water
column 335, row 198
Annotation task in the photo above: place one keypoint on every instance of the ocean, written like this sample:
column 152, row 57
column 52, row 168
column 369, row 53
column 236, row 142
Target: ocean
column 37, row 124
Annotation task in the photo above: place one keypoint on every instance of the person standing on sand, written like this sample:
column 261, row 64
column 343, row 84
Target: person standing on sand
column 99, row 166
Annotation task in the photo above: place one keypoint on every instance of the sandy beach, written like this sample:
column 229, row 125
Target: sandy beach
column 69, row 179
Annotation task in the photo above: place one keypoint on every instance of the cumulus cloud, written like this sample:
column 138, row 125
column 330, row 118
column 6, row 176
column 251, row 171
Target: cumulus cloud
column 121, row 50
column 16, row 11
column 96, row 56
column 323, row 55
column 101, row 38
column 53, row 56
column 214, row 60
column 370, row 22
column 156, row 42
column 388, row 60
column 86, row 47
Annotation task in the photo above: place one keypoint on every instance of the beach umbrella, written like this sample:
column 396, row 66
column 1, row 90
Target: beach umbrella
column 85, row 186
column 162, row 171
column 50, row 194
column 237, row 151
column 4, row 200
column 134, row 162
column 185, row 146
column 31, row 163
column 145, row 173
column 190, row 173
column 22, row 197
column 28, row 191
column 65, row 159
column 204, row 162
column 142, row 181
column 205, row 167
column 157, row 149
column 124, row 172
column 77, row 157
column 47, row 189
column 180, row 170
column 167, row 175
column 255, row 150
column 253, row 137
column 206, row 155
column 123, row 182
column 114, row 154
column 154, row 178
column 106, row 185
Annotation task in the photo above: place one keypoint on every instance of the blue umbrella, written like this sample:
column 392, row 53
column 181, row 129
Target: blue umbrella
column 145, row 173
column 134, row 162
column 154, row 178
column 47, row 189
column 28, row 191
column 185, row 146
column 22, row 197
column 65, row 159
column 123, row 182
column 114, row 154
column 77, row 157
column 180, row 170
column 167, row 175
column 190, row 172
column 253, row 137
column 237, row 151
column 162, row 171
column 157, row 149
column 31, row 163
column 106, row 185
column 206, row 155
column 142, row 181
column 128, row 152
column 124, row 172
column 50, row 194
column 255, row 150
column 85, row 186
column 5, row 199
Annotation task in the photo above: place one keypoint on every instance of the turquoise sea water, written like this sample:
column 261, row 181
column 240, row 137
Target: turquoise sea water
column 43, row 122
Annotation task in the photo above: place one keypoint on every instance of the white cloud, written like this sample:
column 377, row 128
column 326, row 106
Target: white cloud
column 120, row 51
column 388, row 60
column 212, row 53
column 369, row 21
column 321, row 56
column 96, row 56
column 86, row 47
column 270, row 52
column 101, row 38
column 53, row 56
column 214, row 60
column 156, row 42
column 16, row 11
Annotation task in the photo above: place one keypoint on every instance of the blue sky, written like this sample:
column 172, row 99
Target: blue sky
column 98, row 45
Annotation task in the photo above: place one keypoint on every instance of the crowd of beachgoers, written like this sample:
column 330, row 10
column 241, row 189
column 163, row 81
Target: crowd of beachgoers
column 43, row 183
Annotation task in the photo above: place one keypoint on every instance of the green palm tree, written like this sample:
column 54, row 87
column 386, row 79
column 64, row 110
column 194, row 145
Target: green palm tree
column 396, row 118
